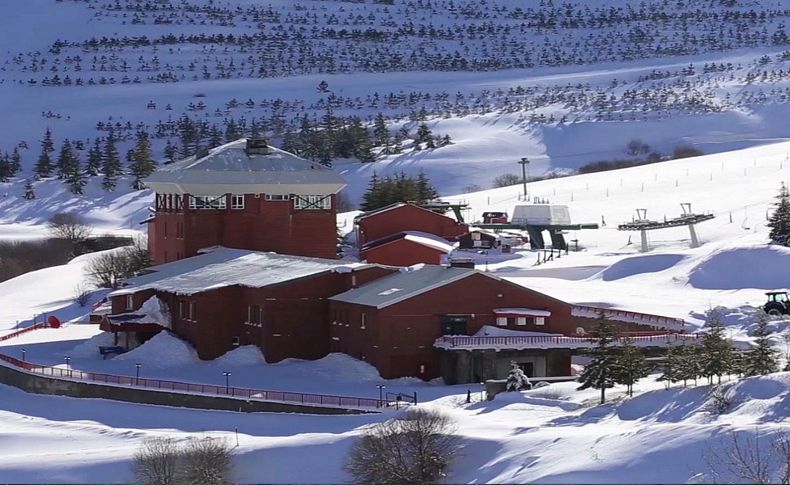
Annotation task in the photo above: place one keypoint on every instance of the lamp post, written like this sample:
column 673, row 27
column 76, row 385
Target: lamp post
column 227, row 382
column 68, row 367
column 381, row 388
column 137, row 373
column 23, row 354
column 482, row 390
column 524, row 162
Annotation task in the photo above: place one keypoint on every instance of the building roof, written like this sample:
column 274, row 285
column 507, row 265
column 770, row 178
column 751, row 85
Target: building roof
column 418, row 237
column 398, row 205
column 231, row 169
column 221, row 267
column 403, row 285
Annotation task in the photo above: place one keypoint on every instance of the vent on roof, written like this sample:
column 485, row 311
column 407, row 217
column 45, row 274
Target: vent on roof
column 462, row 263
column 257, row 146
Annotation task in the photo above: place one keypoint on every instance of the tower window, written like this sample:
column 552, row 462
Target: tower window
column 237, row 201
column 313, row 202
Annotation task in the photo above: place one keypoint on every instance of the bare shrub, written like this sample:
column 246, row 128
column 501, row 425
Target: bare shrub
column 506, row 180
column 205, row 461
column 719, row 402
column 82, row 293
column 686, row 151
column 69, row 226
column 414, row 448
column 756, row 459
column 111, row 269
column 156, row 462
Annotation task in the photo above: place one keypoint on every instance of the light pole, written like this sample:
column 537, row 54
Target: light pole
column 23, row 354
column 68, row 367
column 524, row 162
column 137, row 373
column 227, row 382
column 482, row 390
column 381, row 388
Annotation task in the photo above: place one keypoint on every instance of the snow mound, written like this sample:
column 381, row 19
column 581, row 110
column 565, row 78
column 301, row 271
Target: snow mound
column 639, row 265
column 163, row 350
column 337, row 365
column 763, row 268
column 90, row 347
column 245, row 355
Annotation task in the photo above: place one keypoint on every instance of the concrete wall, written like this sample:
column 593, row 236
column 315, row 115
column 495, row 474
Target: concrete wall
column 47, row 385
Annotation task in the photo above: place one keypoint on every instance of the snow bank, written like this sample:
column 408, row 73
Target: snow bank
column 639, row 265
column 337, row 365
column 491, row 331
column 245, row 355
column 90, row 347
column 763, row 268
column 163, row 350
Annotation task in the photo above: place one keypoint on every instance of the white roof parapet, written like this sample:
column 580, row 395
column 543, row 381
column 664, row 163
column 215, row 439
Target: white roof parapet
column 624, row 316
column 553, row 342
column 528, row 312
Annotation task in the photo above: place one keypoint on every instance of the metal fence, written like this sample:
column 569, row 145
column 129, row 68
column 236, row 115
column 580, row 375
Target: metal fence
column 17, row 333
column 557, row 341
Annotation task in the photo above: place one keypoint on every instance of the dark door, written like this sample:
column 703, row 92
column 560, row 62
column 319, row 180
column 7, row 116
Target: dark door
column 454, row 324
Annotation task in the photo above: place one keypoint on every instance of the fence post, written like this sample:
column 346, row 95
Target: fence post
column 415, row 398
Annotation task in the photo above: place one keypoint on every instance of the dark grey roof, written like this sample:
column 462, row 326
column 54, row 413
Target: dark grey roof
column 403, row 285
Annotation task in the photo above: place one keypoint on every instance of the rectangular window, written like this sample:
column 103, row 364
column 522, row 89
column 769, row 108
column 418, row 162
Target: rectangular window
column 192, row 311
column 182, row 309
column 129, row 302
column 501, row 321
column 254, row 315
column 363, row 321
column 207, row 202
column 179, row 202
column 521, row 321
column 237, row 201
column 271, row 197
column 313, row 202
column 540, row 321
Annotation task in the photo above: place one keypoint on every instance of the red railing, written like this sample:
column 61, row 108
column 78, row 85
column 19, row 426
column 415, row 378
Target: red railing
column 513, row 341
column 21, row 331
column 192, row 388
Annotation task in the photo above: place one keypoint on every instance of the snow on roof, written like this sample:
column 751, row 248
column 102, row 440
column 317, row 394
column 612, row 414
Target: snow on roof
column 221, row 267
column 523, row 311
column 429, row 240
column 230, row 169
column 491, row 331
column 153, row 310
column 403, row 285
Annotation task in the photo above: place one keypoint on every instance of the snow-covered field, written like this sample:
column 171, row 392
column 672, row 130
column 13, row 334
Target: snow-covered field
column 657, row 436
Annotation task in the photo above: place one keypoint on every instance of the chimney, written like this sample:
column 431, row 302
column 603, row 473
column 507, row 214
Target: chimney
column 257, row 146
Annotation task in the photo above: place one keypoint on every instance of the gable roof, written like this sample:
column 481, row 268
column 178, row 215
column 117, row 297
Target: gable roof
column 396, row 206
column 230, row 169
column 221, row 267
column 423, row 238
column 404, row 285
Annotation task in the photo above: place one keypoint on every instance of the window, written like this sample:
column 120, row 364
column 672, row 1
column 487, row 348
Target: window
column 192, row 311
column 501, row 321
column 255, row 315
column 363, row 321
column 521, row 321
column 186, row 310
column 182, row 309
column 129, row 302
column 207, row 202
column 237, row 201
column 271, row 197
column 540, row 321
column 235, row 341
column 179, row 202
column 313, row 202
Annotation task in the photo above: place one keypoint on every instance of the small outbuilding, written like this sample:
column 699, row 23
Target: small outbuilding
column 479, row 239
column 402, row 217
column 407, row 249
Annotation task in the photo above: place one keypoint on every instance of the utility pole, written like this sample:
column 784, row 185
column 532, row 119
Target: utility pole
column 524, row 162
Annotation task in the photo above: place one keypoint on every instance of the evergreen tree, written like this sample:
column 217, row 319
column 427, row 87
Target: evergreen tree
column 94, row 158
column 426, row 192
column 779, row 222
column 631, row 365
column 66, row 159
column 762, row 359
column 214, row 138
column 5, row 168
column 381, row 134
column 689, row 363
column 717, row 355
column 424, row 134
column 29, row 193
column 672, row 366
column 44, row 166
column 171, row 152
column 517, row 380
column 111, row 164
column 371, row 197
column 15, row 162
column 602, row 371
column 143, row 163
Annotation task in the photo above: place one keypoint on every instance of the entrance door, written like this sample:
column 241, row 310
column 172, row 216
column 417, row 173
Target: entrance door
column 528, row 368
column 454, row 324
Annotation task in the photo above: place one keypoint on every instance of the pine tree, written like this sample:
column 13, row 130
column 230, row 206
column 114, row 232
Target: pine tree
column 111, row 164
column 143, row 163
column 44, row 166
column 66, row 159
column 29, row 192
column 717, row 355
column 171, row 152
column 689, row 363
column 517, row 380
column 426, row 192
column 779, row 222
column 5, row 168
column 370, row 199
column 631, row 365
column 424, row 134
column 69, row 169
column 16, row 162
column 672, row 366
column 381, row 135
column 762, row 359
column 94, row 158
column 602, row 371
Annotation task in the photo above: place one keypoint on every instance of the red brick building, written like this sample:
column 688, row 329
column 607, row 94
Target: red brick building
column 244, row 195
column 399, row 218
column 406, row 249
